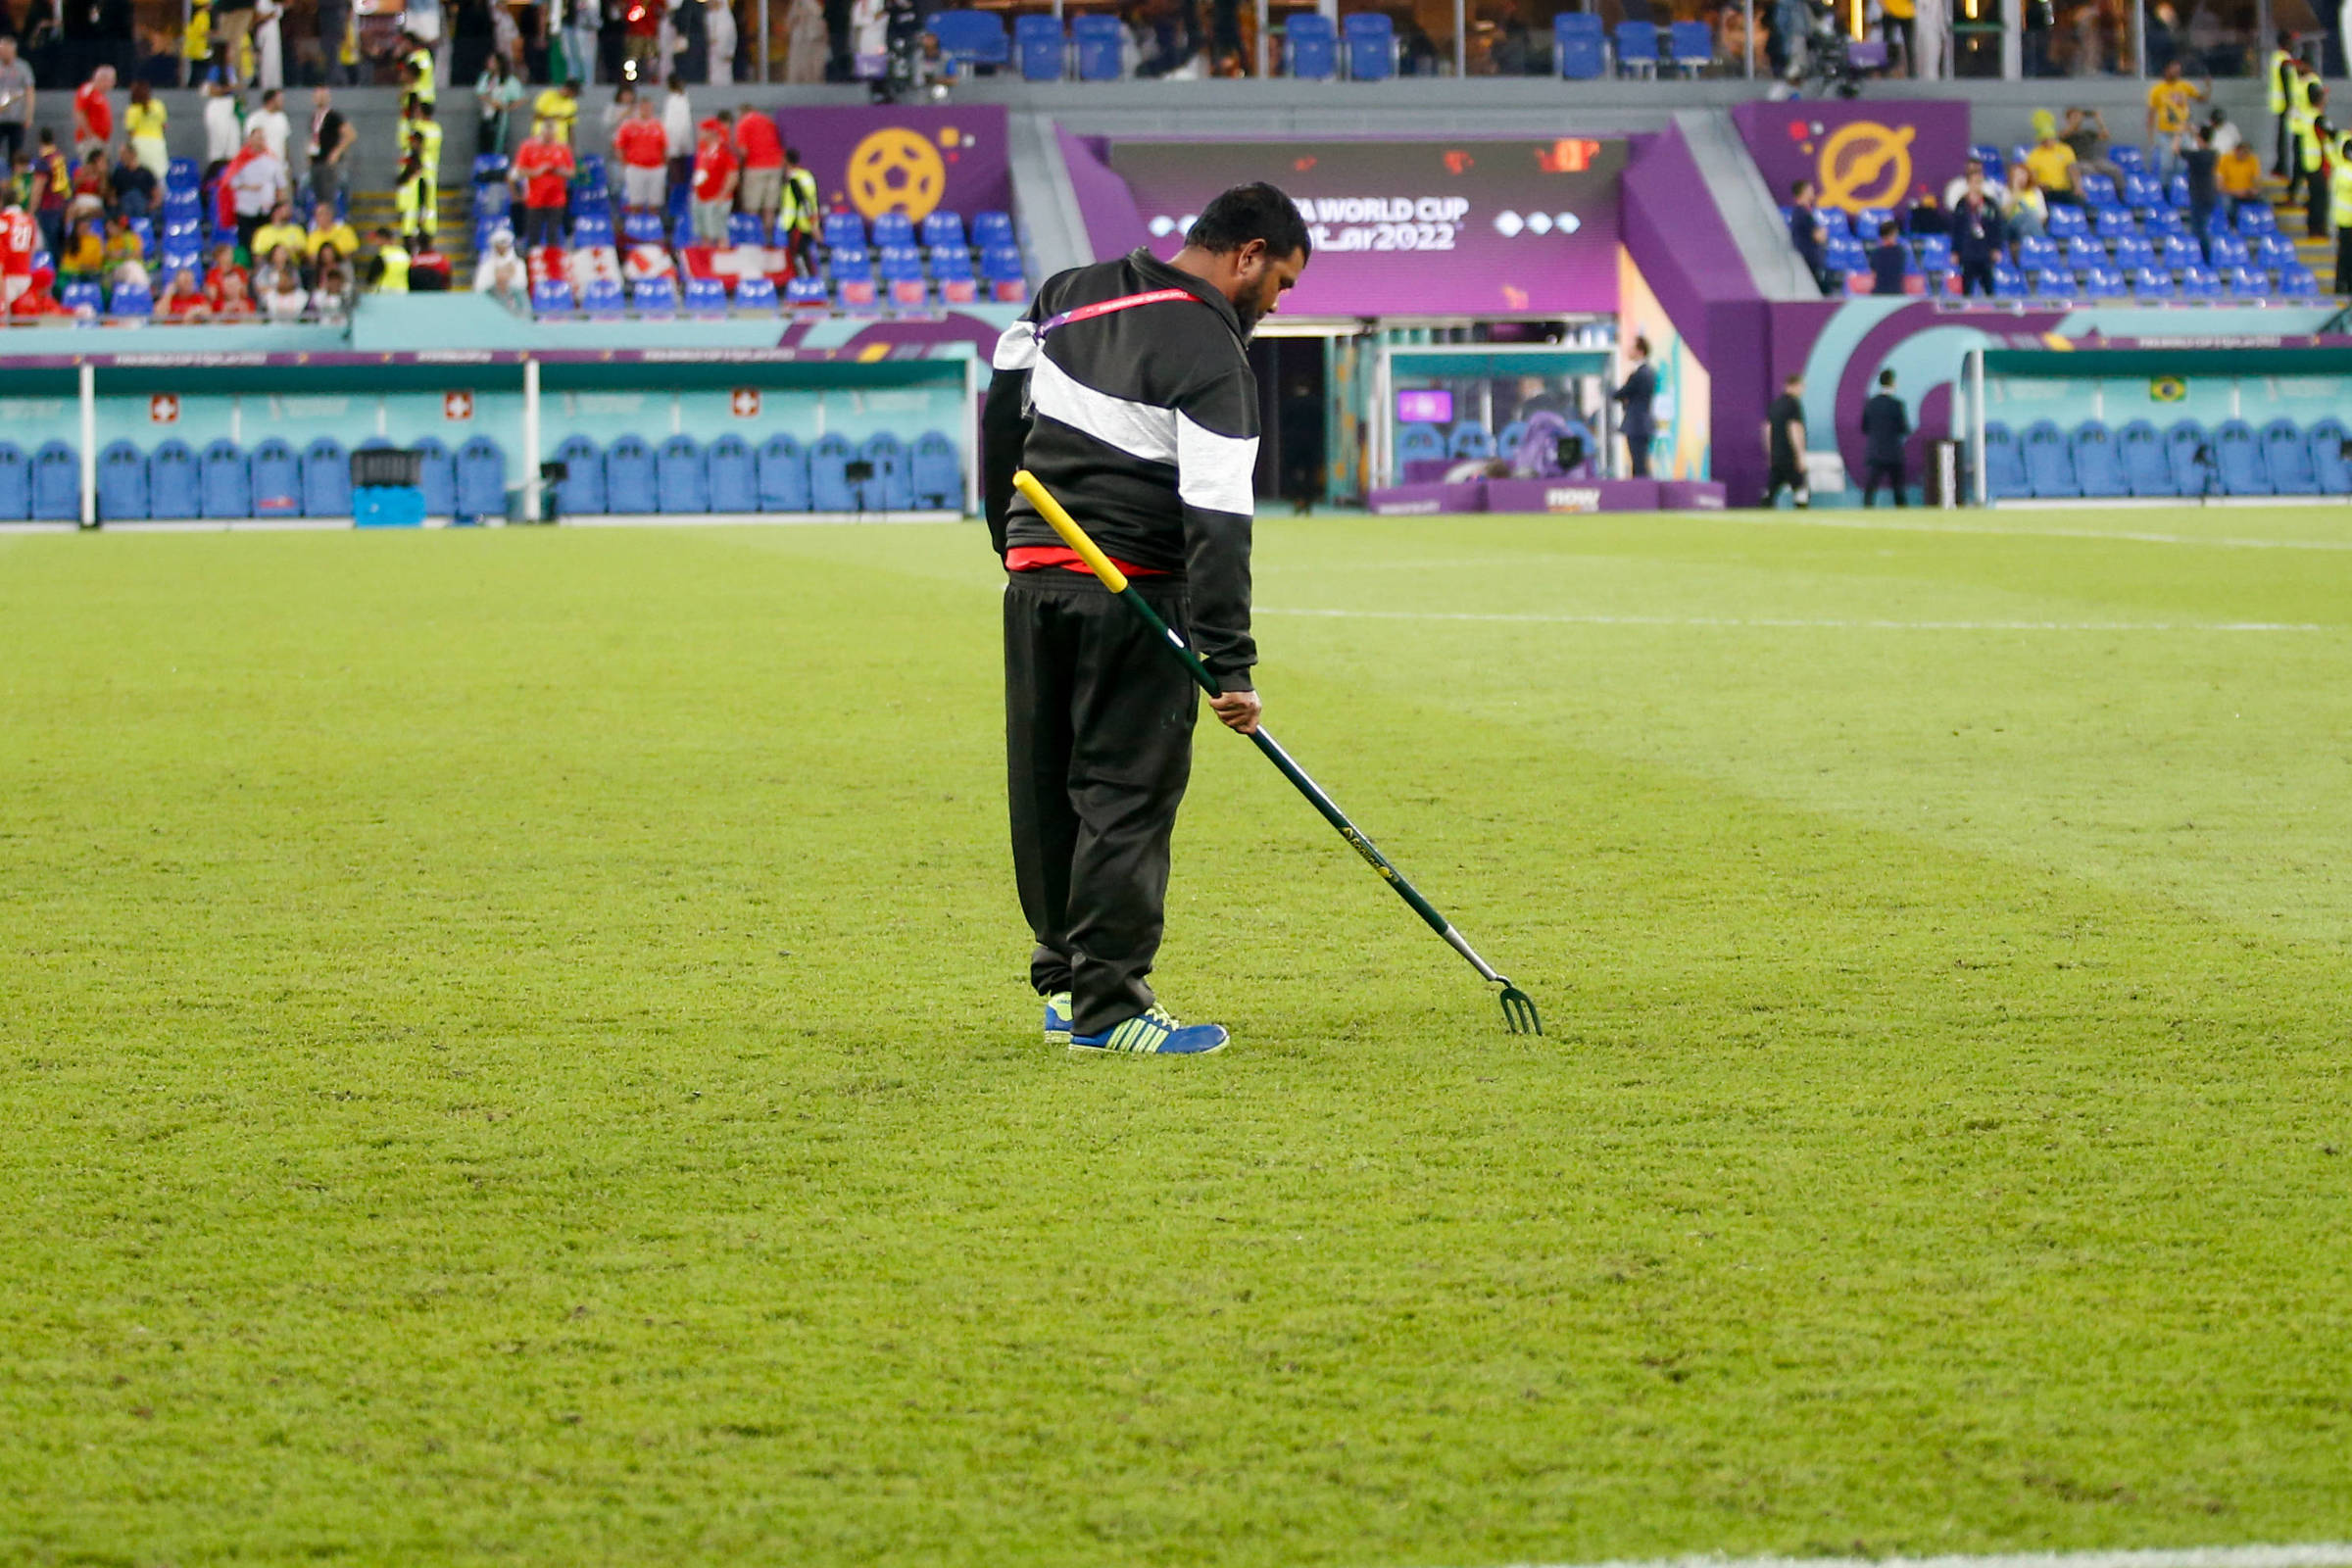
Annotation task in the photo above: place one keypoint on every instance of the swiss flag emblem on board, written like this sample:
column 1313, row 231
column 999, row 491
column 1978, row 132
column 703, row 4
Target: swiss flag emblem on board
column 457, row 405
column 746, row 403
column 164, row 409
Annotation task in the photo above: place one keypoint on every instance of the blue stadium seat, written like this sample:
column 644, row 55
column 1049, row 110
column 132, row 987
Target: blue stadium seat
column 844, row 229
column 276, row 477
column 325, row 479
column 2178, row 251
column 2083, row 253
column 181, row 173
column 1098, row 40
column 481, row 479
column 1997, row 168
column 2239, row 454
column 2190, row 457
column 129, row 304
column 56, row 483
column 2200, row 283
column 1934, row 253
column 971, row 39
column 2164, row 220
column 642, row 228
column 892, row 487
column 2067, row 223
column 224, row 480
column 590, row 231
column 1579, row 46
column 2147, row 471
column 2151, row 284
column 682, row 475
column 2104, row 283
column 743, row 229
column 944, row 229
column 16, row 483
column 436, row 476
column 900, row 262
column 2143, row 193
column 829, row 455
column 81, row 297
column 2039, row 253
column 1470, row 439
column 1420, row 442
column 552, row 297
column 2008, row 283
column 655, row 297
column 893, row 229
column 589, row 178
column 2297, row 282
column 2252, row 219
column 602, row 298
column 805, row 293
column 2097, row 191
column 2329, row 466
column 1041, row 46
column 1692, row 45
column 757, row 294
column 1638, row 49
column 121, row 482
column 1371, row 45
column 174, row 483
column 2049, row 461
column 994, row 228
column 581, row 491
column 2229, row 250
column 1310, row 46
column 2128, row 158
column 629, row 486
column 2098, row 462
column 732, row 474
column 951, row 261
column 935, row 472
column 783, row 470
column 2286, row 458
column 489, row 168
column 2004, row 470
column 1000, row 261
column 1835, row 225
column 2131, row 253
column 706, row 296
column 2275, row 250
column 2248, row 285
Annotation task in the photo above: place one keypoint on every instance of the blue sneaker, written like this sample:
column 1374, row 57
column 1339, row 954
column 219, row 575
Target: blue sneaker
column 1057, row 1018
column 1154, row 1033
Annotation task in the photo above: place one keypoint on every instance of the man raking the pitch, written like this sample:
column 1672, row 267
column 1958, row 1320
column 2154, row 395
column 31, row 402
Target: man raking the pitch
column 1125, row 394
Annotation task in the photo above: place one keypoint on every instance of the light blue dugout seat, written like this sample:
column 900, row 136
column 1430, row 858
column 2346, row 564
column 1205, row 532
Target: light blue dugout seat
column 2147, row 471
column 1470, row 439
column 2244, row 472
column 1420, row 442
column 936, row 472
column 174, row 482
column 481, row 478
column 733, row 474
column 16, row 483
column 276, row 470
column 783, row 470
column 681, row 477
column 2327, row 461
column 629, row 484
column 56, row 483
column 2190, row 458
column 581, row 491
column 830, row 456
column 891, row 486
column 2049, row 464
column 2098, row 460
column 1310, row 46
column 2286, row 456
column 224, row 480
column 325, row 479
column 121, row 482
column 1507, row 445
column 436, row 476
column 2004, row 470
column 1371, row 45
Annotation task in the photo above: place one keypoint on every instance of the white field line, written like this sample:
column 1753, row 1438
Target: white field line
column 1814, row 519
column 2318, row 1554
column 1806, row 623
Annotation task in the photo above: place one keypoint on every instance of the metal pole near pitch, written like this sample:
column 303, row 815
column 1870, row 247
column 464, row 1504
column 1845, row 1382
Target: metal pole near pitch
column 972, row 393
column 1265, row 20
column 532, row 457
column 1975, row 425
column 89, row 445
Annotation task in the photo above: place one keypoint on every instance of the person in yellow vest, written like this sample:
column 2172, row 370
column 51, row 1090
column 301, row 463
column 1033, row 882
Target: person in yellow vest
column 2321, row 153
column 425, row 141
column 2339, row 187
column 2303, row 92
column 2279, row 73
column 1898, row 26
column 391, row 264
column 416, row 204
column 416, row 65
column 556, row 110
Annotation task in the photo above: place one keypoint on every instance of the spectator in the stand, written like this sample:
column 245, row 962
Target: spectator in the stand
column 270, row 264
column 677, row 127
column 2028, row 212
column 223, row 124
column 2052, row 162
column 232, row 25
column 143, row 122
column 388, row 272
column 2202, row 165
column 1927, row 217
column 2238, row 174
column 428, row 270
column 497, row 96
column 326, row 229
column 93, row 187
column 718, row 26
column 614, row 115
column 224, row 266
column 501, row 273
column 643, row 148
column 334, row 38
column 270, row 44
column 643, row 22
column 37, row 301
column 1889, row 261
column 557, row 112
column 1805, row 232
column 2226, row 133
column 196, row 44
column 1785, row 445
column 1637, row 398
column 332, row 136
column 277, row 131
column 801, row 211
column 2170, row 99
column 280, row 232
column 83, row 258
column 332, row 292
column 284, row 298
column 233, row 298
column 183, row 299
column 135, row 188
column 123, row 242
column 762, row 149
column 17, row 94
column 543, row 178
column 2087, row 135
column 1885, row 423
column 714, row 182
column 1980, row 236
column 257, row 184
column 20, row 237
column 94, row 113
column 53, row 189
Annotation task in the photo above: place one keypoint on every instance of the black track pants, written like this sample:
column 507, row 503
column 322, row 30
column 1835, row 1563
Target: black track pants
column 1098, row 749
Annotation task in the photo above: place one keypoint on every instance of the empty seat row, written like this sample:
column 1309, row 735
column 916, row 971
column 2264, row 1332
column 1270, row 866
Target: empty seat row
column 2233, row 459
column 632, row 476
column 275, row 480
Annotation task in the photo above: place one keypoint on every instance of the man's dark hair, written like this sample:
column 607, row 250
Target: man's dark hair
column 792, row 155
column 1246, row 213
column 1788, row 382
column 1886, row 229
column 1641, row 347
column 1887, row 379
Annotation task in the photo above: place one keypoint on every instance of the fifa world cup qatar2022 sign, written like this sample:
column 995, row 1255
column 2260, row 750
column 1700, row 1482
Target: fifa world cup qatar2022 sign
column 1479, row 227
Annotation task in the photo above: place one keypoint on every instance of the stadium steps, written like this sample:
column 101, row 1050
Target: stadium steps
column 371, row 209
column 2316, row 253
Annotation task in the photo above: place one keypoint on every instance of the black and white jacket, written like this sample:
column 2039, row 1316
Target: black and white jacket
column 1144, row 423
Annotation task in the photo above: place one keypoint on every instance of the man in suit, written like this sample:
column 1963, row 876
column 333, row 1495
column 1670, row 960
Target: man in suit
column 1634, row 421
column 1884, row 424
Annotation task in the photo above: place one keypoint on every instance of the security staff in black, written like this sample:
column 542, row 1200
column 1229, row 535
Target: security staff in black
column 1126, row 389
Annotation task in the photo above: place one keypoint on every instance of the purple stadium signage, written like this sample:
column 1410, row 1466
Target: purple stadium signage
column 913, row 160
column 1473, row 226
column 1857, row 154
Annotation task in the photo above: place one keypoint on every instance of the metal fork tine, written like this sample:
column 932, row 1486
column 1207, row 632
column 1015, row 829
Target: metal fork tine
column 1519, row 1011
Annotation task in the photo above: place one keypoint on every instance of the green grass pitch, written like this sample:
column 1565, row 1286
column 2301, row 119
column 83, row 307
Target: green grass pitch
column 513, row 1050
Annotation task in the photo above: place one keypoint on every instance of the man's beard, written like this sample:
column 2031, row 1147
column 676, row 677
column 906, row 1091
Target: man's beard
column 1251, row 312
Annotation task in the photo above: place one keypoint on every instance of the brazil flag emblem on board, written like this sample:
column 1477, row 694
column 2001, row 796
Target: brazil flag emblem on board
column 2167, row 389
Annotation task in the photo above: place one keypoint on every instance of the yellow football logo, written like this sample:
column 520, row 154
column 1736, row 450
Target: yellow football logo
column 896, row 170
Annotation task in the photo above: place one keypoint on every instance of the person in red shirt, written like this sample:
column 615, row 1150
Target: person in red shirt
column 183, row 299
column 543, row 170
column 713, row 181
column 761, row 147
column 643, row 22
column 37, row 301
column 644, row 149
column 20, row 237
column 224, row 268
column 94, row 113
column 235, row 298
